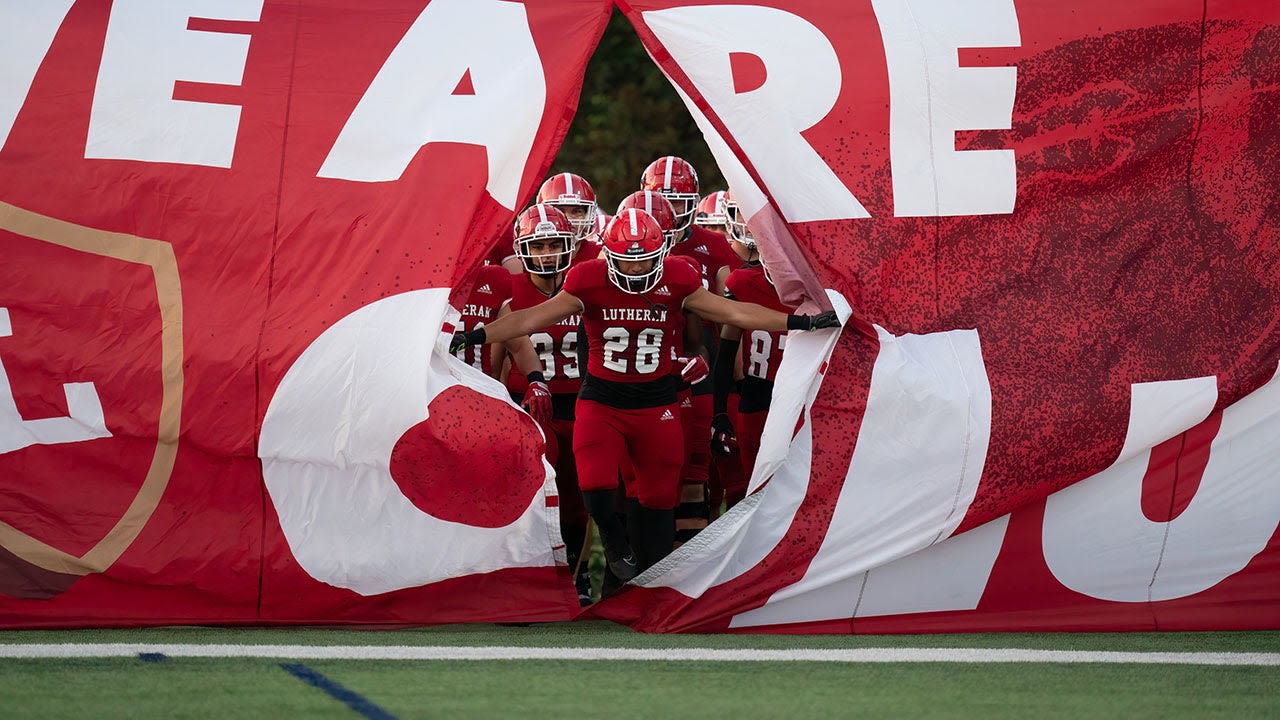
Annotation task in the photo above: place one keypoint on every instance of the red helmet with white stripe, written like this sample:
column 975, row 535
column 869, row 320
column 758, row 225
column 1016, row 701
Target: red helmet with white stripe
column 634, row 247
column 544, row 240
column 658, row 207
column 574, row 197
column 678, row 182
column 711, row 212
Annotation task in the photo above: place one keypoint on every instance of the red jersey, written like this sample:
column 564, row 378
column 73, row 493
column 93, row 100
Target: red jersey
column 557, row 345
column 709, row 250
column 630, row 337
column 761, row 349
column 588, row 249
column 492, row 288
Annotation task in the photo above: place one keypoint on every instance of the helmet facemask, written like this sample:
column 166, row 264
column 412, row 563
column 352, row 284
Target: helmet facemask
column 583, row 225
column 737, row 225
column 536, row 264
column 634, row 236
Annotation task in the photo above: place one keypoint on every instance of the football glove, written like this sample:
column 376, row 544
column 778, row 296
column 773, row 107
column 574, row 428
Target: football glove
column 722, row 435
column 537, row 401
column 693, row 370
column 820, row 321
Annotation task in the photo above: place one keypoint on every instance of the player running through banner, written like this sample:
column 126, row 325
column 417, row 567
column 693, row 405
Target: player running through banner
column 631, row 302
column 547, row 244
column 759, row 360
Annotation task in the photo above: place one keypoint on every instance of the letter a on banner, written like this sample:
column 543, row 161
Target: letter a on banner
column 412, row 101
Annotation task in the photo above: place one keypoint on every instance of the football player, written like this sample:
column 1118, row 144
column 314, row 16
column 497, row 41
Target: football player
column 676, row 180
column 627, row 408
column 546, row 244
column 490, row 291
column 761, row 354
column 711, row 215
column 690, row 349
column 572, row 195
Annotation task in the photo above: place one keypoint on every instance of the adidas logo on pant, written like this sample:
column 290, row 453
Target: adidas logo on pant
column 667, row 415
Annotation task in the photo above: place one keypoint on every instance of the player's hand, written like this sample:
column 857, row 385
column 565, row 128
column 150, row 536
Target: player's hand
column 693, row 370
column 824, row 320
column 820, row 321
column 458, row 342
column 537, row 402
column 722, row 435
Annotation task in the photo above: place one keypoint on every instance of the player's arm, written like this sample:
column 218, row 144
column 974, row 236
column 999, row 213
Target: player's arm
column 521, row 322
column 523, row 354
column 498, row 360
column 693, row 345
column 750, row 316
column 722, row 276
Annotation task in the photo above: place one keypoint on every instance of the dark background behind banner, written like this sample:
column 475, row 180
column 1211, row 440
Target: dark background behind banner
column 628, row 116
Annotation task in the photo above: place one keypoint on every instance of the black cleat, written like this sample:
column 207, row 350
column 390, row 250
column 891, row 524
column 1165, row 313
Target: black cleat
column 583, row 585
column 622, row 563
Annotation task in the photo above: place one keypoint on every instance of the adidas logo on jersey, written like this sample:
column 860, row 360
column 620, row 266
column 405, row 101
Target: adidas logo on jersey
column 662, row 291
column 667, row 415
column 485, row 289
column 686, row 403
column 702, row 249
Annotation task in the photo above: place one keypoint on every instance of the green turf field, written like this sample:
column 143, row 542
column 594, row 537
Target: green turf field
column 199, row 687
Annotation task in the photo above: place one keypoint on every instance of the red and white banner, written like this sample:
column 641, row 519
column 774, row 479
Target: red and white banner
column 230, row 230
column 1055, row 405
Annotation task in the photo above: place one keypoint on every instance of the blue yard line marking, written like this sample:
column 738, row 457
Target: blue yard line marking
column 152, row 657
column 351, row 699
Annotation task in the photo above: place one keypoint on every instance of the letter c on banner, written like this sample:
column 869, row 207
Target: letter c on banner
column 326, row 446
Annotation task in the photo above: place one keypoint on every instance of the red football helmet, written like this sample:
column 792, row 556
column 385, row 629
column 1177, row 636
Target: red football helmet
column 737, row 222
column 711, row 213
column 602, row 221
column 540, row 223
column 634, row 236
column 573, row 196
column 658, row 207
column 678, row 182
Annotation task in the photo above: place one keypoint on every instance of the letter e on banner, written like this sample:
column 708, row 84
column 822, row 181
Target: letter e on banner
column 931, row 97
column 148, row 48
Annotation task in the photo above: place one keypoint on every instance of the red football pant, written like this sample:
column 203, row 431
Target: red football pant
column 651, row 440
column 696, row 421
column 729, row 484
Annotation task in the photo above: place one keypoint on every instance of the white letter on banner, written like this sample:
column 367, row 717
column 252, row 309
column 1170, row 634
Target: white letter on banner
column 1097, row 540
column 148, row 48
column 931, row 97
column 326, row 445
column 802, row 84
column 85, row 420
column 26, row 32
column 411, row 102
column 914, row 472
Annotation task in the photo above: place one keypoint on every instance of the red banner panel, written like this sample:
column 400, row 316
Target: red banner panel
column 230, row 234
column 1054, row 405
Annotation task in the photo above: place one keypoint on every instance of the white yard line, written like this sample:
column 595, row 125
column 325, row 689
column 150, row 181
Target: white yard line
column 858, row 655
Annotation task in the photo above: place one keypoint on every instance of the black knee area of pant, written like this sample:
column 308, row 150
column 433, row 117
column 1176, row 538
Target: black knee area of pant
column 600, row 506
column 652, row 533
column 692, row 510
